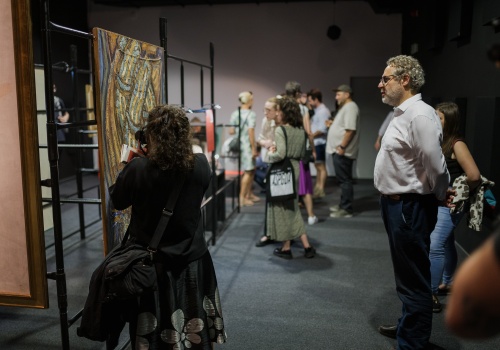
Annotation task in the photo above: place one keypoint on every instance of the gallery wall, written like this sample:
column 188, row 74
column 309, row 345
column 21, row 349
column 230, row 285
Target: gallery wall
column 260, row 47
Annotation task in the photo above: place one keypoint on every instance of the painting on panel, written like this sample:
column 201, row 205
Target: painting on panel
column 22, row 252
column 130, row 82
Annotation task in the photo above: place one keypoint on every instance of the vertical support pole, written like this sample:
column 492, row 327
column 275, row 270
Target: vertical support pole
column 182, row 83
column 238, row 189
column 163, row 43
column 202, row 83
column 214, row 167
column 53, row 152
column 76, row 116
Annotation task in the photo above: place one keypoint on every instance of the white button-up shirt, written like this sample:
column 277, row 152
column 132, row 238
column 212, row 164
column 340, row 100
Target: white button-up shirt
column 410, row 159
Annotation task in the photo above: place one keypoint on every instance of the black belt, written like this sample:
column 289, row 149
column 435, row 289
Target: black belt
column 406, row 196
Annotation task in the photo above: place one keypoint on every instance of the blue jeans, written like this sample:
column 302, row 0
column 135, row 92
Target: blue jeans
column 409, row 223
column 343, row 172
column 443, row 254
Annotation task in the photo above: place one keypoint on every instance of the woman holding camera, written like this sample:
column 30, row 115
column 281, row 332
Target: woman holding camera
column 187, row 312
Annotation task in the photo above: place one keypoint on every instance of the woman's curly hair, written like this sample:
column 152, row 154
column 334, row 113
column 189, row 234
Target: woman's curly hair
column 168, row 135
column 407, row 65
column 291, row 111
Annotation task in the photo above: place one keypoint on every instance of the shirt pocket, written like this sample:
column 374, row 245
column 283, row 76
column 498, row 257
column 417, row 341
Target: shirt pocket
column 396, row 149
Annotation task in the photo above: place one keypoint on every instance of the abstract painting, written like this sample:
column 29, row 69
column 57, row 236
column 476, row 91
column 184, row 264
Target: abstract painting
column 130, row 82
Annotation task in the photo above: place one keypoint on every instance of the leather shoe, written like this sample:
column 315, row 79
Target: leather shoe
column 388, row 331
column 436, row 304
column 263, row 243
column 285, row 254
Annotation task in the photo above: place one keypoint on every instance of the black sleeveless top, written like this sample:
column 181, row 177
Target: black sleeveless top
column 454, row 168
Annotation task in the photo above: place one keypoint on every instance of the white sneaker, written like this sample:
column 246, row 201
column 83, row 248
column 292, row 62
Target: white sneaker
column 335, row 208
column 311, row 220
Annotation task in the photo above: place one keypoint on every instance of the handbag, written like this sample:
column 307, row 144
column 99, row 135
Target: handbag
column 280, row 179
column 129, row 269
column 234, row 144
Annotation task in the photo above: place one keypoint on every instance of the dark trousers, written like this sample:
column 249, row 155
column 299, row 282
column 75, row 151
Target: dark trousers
column 409, row 223
column 343, row 172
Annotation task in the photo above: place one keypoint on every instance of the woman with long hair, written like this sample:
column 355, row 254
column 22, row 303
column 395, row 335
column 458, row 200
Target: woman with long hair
column 186, row 312
column 284, row 220
column 266, row 140
column 443, row 254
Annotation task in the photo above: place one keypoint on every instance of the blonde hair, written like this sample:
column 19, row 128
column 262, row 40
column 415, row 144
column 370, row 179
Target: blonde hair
column 245, row 96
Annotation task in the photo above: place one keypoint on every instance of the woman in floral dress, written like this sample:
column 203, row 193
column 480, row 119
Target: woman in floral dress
column 248, row 146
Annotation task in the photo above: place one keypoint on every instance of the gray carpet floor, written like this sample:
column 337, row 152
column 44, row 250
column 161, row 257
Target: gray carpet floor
column 333, row 301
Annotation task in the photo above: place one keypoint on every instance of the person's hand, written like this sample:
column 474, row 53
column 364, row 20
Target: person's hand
column 255, row 154
column 450, row 194
column 314, row 155
column 272, row 149
column 266, row 143
column 340, row 151
column 328, row 123
column 63, row 118
column 377, row 145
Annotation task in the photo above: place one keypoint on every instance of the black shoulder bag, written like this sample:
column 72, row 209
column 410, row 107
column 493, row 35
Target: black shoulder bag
column 127, row 272
column 130, row 271
column 280, row 179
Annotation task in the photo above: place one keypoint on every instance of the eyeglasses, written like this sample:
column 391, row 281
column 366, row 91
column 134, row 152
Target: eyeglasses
column 387, row 78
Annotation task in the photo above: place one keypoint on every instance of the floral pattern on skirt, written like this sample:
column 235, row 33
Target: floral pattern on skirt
column 189, row 309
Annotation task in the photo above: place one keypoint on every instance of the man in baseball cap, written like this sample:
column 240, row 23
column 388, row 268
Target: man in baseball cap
column 343, row 143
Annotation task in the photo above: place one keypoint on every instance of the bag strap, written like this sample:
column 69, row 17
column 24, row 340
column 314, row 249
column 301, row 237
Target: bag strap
column 166, row 214
column 248, row 116
column 286, row 139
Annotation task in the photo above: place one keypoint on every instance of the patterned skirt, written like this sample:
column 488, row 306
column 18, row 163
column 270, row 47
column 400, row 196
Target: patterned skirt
column 185, row 313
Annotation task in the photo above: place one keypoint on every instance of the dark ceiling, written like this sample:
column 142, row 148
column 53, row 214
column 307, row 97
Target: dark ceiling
column 379, row 6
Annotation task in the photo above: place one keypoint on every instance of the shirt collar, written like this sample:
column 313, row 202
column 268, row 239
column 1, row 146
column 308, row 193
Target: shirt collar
column 407, row 103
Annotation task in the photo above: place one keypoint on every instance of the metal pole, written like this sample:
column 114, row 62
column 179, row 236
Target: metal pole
column 163, row 41
column 79, row 162
column 214, row 168
column 201, row 90
column 53, row 152
column 182, row 84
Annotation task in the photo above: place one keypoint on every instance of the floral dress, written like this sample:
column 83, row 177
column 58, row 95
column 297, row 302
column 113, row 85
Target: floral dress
column 248, row 120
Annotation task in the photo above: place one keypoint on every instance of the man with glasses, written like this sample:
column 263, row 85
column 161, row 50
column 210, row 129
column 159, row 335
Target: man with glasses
column 412, row 178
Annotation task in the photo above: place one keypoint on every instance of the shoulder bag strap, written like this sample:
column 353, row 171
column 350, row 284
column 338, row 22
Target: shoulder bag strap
column 166, row 214
column 248, row 116
column 286, row 140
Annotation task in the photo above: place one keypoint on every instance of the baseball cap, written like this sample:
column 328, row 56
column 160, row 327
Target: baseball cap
column 343, row 88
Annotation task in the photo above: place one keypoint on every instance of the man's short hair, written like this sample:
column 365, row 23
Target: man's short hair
column 407, row 65
column 316, row 95
column 292, row 88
